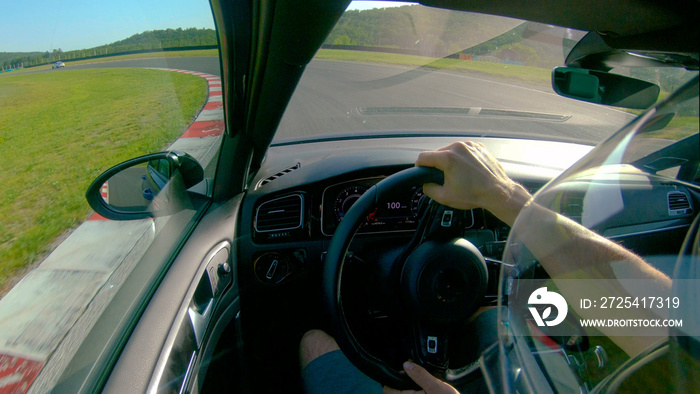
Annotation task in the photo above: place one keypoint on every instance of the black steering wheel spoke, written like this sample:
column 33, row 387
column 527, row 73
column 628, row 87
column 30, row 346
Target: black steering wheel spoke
column 429, row 347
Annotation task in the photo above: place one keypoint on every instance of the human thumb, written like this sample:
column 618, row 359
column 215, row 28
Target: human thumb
column 425, row 380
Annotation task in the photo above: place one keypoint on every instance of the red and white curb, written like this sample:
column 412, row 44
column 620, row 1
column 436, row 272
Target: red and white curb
column 210, row 121
column 202, row 137
column 52, row 309
column 17, row 374
column 104, row 191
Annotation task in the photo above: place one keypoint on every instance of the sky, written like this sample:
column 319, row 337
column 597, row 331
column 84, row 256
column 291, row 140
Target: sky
column 45, row 25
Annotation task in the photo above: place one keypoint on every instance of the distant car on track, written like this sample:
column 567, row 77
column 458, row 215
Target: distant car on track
column 58, row 64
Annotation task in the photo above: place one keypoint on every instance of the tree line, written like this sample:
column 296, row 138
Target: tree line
column 147, row 41
column 441, row 33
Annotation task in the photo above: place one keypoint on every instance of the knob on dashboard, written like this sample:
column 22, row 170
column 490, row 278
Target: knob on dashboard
column 271, row 268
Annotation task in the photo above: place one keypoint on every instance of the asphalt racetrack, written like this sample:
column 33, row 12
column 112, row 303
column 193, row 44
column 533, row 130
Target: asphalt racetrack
column 341, row 97
column 348, row 97
column 205, row 64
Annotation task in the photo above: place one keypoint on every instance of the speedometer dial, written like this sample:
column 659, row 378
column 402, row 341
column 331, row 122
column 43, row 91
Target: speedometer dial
column 345, row 199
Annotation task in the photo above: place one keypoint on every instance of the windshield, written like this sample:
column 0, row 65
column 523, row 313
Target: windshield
column 413, row 69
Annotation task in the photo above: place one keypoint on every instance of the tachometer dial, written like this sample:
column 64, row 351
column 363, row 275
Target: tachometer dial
column 415, row 199
column 344, row 200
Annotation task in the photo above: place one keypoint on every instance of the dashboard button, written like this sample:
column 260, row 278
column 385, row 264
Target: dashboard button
column 447, row 218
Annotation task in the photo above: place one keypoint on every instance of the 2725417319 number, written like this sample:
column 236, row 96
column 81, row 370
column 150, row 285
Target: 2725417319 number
column 632, row 302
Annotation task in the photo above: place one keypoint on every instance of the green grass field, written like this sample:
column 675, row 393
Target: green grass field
column 525, row 74
column 680, row 127
column 59, row 131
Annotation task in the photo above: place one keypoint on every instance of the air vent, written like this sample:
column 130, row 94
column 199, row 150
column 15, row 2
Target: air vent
column 271, row 178
column 678, row 204
column 280, row 214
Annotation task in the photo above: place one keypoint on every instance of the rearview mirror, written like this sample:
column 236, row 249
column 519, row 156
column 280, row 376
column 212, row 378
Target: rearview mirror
column 600, row 87
column 149, row 186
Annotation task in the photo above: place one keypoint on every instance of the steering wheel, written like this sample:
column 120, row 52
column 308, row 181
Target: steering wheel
column 440, row 283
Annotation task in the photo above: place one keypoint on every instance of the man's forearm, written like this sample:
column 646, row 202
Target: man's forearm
column 567, row 250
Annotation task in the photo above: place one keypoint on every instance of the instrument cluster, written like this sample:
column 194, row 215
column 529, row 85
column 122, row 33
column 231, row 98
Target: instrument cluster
column 397, row 213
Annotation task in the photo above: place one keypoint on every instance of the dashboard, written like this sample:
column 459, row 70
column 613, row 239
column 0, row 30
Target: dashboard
column 303, row 191
column 297, row 198
column 308, row 216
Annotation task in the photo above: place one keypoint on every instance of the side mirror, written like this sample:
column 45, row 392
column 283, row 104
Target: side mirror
column 148, row 186
column 600, row 87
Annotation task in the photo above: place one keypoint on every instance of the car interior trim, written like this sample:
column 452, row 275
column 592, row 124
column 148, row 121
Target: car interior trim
column 198, row 320
column 154, row 325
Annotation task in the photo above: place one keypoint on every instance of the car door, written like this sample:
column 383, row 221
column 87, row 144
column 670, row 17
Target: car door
column 172, row 343
column 161, row 331
column 166, row 318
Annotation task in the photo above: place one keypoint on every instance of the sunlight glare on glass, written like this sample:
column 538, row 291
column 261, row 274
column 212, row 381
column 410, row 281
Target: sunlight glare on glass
column 368, row 5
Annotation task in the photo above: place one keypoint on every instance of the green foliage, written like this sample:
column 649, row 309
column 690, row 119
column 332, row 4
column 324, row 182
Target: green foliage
column 344, row 40
column 170, row 38
column 424, row 31
column 669, row 79
column 506, row 39
column 421, row 30
column 10, row 56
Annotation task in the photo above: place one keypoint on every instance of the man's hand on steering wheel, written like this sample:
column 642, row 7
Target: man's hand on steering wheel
column 429, row 383
column 473, row 179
